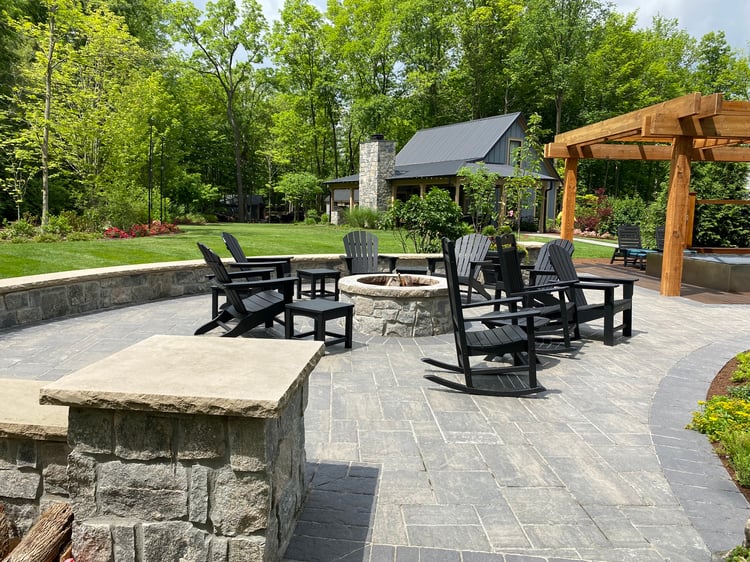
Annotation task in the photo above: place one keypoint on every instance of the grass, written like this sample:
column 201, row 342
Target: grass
column 257, row 240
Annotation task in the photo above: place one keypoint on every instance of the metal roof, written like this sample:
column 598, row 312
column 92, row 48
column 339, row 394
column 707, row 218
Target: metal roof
column 440, row 169
column 467, row 141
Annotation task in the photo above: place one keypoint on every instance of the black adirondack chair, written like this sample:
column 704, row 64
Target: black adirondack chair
column 493, row 380
column 282, row 265
column 659, row 236
column 249, row 303
column 559, row 316
column 585, row 312
column 542, row 273
column 471, row 255
column 629, row 246
column 361, row 248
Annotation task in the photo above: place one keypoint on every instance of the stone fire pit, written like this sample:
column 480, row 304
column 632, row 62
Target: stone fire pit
column 389, row 304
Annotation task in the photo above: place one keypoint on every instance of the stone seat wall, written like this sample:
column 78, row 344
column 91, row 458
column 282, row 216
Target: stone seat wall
column 33, row 452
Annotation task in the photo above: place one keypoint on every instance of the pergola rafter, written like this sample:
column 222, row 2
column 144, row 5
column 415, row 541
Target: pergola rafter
column 689, row 128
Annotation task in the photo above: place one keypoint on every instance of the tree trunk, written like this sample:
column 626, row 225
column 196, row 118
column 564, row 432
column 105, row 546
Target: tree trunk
column 237, row 141
column 47, row 113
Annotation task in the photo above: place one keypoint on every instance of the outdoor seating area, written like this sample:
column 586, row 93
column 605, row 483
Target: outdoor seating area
column 597, row 467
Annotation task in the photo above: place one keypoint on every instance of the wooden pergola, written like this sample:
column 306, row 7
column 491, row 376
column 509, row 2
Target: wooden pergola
column 686, row 129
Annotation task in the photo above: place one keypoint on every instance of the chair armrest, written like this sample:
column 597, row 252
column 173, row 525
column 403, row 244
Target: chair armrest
column 527, row 313
column 281, row 282
column 490, row 302
column 391, row 261
column 348, row 261
column 617, row 280
column 278, row 265
column 248, row 273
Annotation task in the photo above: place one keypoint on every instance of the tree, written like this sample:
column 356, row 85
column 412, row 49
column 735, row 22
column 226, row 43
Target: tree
column 299, row 189
column 225, row 46
column 480, row 186
column 556, row 36
column 521, row 190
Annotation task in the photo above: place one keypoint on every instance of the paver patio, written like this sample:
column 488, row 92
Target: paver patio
column 599, row 467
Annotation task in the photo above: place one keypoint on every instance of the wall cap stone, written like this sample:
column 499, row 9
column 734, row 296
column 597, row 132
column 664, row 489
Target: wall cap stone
column 192, row 375
column 23, row 417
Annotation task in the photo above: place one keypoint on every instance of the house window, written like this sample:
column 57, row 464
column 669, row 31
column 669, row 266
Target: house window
column 513, row 146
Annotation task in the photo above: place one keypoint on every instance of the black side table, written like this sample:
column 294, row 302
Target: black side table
column 321, row 311
column 315, row 276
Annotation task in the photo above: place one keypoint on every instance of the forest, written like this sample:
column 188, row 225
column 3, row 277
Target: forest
column 126, row 111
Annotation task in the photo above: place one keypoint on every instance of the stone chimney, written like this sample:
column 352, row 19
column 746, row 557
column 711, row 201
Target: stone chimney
column 377, row 161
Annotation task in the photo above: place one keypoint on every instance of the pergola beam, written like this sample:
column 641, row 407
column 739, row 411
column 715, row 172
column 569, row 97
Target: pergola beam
column 711, row 153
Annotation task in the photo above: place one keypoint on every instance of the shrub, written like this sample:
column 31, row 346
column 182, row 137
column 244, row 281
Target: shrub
column 47, row 237
column 736, row 445
column 423, row 221
column 59, row 225
column 742, row 372
column 20, row 229
column 363, row 217
column 738, row 554
column 324, row 218
column 311, row 217
column 721, row 414
column 742, row 392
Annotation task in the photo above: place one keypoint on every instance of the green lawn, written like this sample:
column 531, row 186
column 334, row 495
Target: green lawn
column 256, row 239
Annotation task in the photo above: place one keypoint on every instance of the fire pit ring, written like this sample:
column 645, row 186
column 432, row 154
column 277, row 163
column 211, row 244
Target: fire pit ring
column 389, row 304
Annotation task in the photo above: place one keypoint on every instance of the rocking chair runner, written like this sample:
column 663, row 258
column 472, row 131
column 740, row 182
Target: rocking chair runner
column 493, row 342
column 585, row 312
column 249, row 303
column 361, row 249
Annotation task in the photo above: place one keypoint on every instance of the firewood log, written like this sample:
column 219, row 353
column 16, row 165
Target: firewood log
column 46, row 538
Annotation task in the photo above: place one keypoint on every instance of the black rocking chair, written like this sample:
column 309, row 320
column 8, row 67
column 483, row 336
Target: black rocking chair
column 518, row 379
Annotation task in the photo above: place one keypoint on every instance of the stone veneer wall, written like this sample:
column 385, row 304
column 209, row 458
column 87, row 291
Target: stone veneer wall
column 33, row 453
column 198, row 488
column 32, row 475
column 377, row 161
column 36, row 298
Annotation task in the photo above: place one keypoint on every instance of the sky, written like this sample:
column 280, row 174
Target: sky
column 697, row 17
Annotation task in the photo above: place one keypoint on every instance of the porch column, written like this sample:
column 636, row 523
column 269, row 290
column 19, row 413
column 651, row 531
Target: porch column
column 351, row 198
column 677, row 214
column 569, row 198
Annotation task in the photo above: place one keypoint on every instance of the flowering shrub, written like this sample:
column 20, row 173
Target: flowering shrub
column 720, row 414
column 140, row 230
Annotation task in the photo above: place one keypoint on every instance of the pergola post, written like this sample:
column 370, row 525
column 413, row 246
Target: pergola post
column 569, row 198
column 677, row 216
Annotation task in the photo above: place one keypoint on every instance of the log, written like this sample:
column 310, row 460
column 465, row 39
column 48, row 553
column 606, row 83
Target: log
column 49, row 535
column 4, row 533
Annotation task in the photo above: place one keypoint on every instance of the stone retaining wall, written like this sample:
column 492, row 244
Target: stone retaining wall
column 37, row 298
column 33, row 453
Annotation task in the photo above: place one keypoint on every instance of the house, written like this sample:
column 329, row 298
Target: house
column 433, row 157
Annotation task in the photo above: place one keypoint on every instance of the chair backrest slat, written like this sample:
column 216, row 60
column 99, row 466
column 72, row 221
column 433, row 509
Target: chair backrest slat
column 470, row 248
column 454, row 299
column 362, row 247
column 222, row 277
column 659, row 235
column 510, row 266
column 543, row 262
column 233, row 245
column 629, row 236
column 562, row 262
